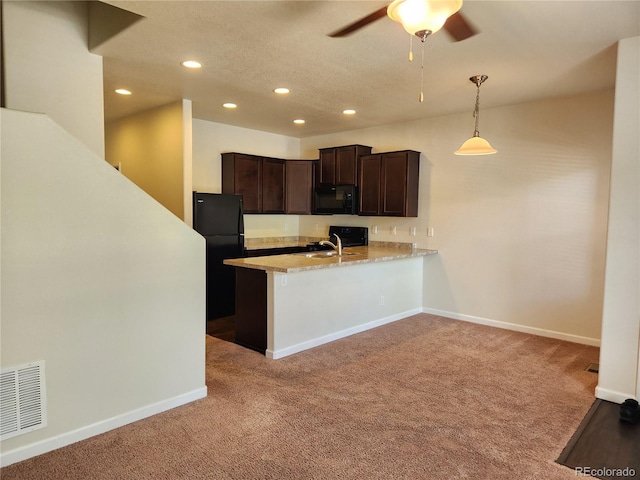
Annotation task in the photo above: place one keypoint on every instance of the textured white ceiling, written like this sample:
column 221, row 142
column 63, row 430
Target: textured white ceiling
column 529, row 50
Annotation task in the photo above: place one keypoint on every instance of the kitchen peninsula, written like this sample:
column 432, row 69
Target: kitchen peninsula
column 289, row 303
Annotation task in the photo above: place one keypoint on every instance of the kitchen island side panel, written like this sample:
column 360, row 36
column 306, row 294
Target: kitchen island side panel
column 251, row 309
column 309, row 308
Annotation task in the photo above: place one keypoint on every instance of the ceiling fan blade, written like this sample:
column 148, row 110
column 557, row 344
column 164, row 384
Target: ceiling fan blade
column 459, row 28
column 377, row 15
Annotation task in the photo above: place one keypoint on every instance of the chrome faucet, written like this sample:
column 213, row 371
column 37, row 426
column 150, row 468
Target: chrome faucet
column 337, row 248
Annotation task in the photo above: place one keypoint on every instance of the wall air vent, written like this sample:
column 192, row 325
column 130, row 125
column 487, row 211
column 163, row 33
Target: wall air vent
column 22, row 399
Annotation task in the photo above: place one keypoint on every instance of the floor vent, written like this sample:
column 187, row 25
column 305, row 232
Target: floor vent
column 593, row 367
column 22, row 400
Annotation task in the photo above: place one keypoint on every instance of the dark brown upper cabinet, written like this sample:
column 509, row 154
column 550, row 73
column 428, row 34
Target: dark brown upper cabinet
column 273, row 185
column 242, row 175
column 260, row 181
column 300, row 186
column 389, row 184
column 339, row 165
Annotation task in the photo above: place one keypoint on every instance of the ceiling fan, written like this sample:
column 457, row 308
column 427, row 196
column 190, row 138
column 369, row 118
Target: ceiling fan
column 420, row 18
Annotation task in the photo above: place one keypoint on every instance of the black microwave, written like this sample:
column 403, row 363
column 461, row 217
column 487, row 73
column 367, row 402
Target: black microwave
column 336, row 199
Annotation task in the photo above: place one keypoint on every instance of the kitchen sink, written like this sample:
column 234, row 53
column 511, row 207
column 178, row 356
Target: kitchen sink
column 326, row 254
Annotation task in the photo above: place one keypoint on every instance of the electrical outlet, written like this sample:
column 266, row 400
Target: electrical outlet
column 430, row 232
column 381, row 299
column 284, row 280
column 394, row 230
column 375, row 229
column 412, row 231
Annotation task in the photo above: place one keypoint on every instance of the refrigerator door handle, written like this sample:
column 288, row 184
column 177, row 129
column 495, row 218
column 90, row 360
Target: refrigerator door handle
column 241, row 218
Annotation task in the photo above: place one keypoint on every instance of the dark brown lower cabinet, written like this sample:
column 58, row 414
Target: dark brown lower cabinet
column 251, row 309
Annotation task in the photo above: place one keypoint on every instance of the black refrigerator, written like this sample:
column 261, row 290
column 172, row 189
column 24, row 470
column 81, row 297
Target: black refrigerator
column 218, row 218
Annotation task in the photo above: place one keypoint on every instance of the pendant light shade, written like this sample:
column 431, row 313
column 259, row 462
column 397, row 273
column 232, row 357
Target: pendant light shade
column 476, row 145
column 422, row 15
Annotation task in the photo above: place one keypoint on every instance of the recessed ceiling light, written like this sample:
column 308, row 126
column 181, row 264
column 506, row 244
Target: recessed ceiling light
column 282, row 90
column 298, row 121
column 229, row 105
column 191, row 64
column 123, row 91
column 349, row 112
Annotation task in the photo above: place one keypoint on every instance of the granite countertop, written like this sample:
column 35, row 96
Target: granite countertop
column 298, row 262
column 278, row 242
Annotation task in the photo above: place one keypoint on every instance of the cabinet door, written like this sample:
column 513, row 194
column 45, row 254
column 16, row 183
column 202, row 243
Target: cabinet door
column 369, row 185
column 346, row 166
column 394, row 184
column 242, row 175
column 327, row 166
column 399, row 184
column 299, row 191
column 347, row 163
column 273, row 183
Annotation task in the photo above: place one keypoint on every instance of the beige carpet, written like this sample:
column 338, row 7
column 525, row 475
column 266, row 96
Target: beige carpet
column 422, row 398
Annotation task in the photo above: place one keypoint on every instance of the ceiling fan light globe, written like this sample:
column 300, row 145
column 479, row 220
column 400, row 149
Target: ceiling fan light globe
column 418, row 15
column 475, row 146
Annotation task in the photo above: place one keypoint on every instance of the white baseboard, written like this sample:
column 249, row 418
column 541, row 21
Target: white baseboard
column 64, row 439
column 612, row 395
column 595, row 342
column 315, row 342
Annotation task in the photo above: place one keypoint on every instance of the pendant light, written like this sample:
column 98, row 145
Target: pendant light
column 476, row 145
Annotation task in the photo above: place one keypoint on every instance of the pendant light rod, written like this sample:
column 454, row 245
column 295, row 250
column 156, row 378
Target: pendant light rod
column 476, row 145
column 477, row 80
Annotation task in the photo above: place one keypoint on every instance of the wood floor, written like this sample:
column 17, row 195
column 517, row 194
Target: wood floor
column 604, row 443
column 222, row 328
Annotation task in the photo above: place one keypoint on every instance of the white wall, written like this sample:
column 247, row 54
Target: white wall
column 187, row 161
column 619, row 376
column 309, row 308
column 49, row 69
column 152, row 148
column 522, row 233
column 211, row 139
column 98, row 281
